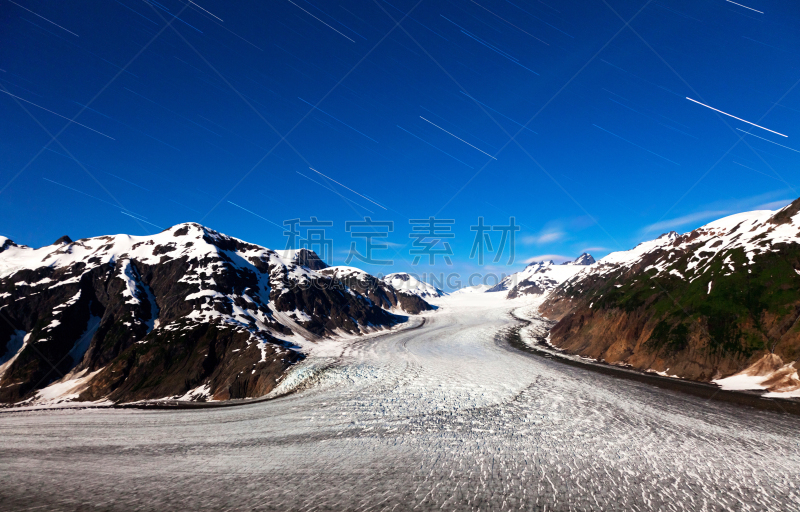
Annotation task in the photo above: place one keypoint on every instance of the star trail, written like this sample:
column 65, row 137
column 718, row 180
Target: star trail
column 591, row 119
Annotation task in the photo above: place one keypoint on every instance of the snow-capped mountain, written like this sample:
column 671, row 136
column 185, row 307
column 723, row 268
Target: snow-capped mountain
column 583, row 259
column 381, row 292
column 186, row 312
column 407, row 283
column 702, row 305
column 469, row 290
column 540, row 277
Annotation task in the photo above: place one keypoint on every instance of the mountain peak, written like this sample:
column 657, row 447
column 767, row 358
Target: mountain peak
column 309, row 259
column 541, row 263
column 785, row 214
column 184, row 228
column 263, row 307
column 712, row 264
column 411, row 284
column 63, row 240
column 5, row 243
column 583, row 259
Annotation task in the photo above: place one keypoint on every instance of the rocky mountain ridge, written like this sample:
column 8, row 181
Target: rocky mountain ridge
column 380, row 291
column 188, row 312
column 583, row 259
column 540, row 277
column 411, row 284
column 702, row 305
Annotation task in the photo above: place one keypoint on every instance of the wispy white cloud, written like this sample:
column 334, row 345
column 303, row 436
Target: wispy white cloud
column 774, row 205
column 557, row 230
column 719, row 209
column 581, row 222
column 558, row 258
column 669, row 224
column 543, row 238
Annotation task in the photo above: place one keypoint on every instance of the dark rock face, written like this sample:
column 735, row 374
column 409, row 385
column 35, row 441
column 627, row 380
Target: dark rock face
column 403, row 282
column 204, row 354
column 784, row 216
column 309, row 259
column 583, row 259
column 5, row 243
column 376, row 290
column 531, row 287
column 331, row 307
column 412, row 303
column 187, row 312
column 499, row 287
column 539, row 277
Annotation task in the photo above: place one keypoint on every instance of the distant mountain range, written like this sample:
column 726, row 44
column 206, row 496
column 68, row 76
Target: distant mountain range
column 407, row 283
column 720, row 303
column 392, row 293
column 187, row 313
column 193, row 314
column 540, row 277
column 583, row 260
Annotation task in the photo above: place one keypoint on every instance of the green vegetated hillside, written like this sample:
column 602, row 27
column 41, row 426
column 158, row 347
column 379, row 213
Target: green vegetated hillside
column 700, row 305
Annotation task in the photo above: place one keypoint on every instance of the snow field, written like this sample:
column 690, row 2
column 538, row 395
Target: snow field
column 443, row 417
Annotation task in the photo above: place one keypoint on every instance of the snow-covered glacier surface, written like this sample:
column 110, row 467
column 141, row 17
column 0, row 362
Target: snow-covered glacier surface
column 443, row 417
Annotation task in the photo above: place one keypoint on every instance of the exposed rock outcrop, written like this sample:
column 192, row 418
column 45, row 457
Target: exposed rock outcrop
column 702, row 305
column 540, row 277
column 377, row 290
column 188, row 312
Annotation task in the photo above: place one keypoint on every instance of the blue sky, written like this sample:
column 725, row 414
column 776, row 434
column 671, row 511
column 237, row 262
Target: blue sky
column 557, row 113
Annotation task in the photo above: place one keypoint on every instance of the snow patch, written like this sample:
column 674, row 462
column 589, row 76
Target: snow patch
column 82, row 344
column 405, row 282
column 13, row 348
